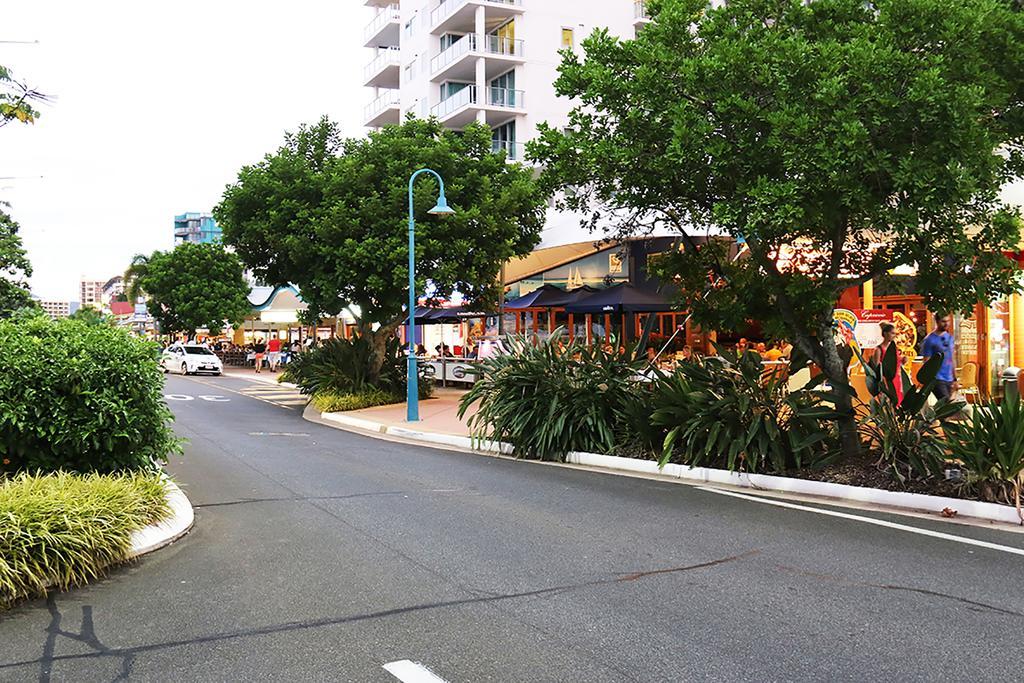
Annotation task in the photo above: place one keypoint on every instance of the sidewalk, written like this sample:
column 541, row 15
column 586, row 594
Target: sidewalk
column 437, row 414
column 267, row 377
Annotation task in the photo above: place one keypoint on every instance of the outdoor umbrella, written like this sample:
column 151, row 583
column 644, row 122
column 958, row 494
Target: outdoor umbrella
column 565, row 297
column 622, row 298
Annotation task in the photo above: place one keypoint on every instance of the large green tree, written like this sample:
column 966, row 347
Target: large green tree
column 330, row 215
column 838, row 138
column 190, row 287
column 15, row 268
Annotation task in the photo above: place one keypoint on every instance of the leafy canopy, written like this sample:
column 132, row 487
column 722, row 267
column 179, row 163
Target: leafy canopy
column 15, row 268
column 192, row 286
column 330, row 215
column 846, row 137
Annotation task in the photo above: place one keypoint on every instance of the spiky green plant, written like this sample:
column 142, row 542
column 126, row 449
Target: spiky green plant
column 990, row 444
column 62, row 529
column 547, row 399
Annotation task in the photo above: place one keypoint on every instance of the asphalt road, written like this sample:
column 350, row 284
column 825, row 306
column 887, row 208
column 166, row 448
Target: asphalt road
column 320, row 555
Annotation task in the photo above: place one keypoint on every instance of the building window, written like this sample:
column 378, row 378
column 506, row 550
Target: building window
column 408, row 28
column 503, row 138
column 567, row 37
column 449, row 88
column 449, row 39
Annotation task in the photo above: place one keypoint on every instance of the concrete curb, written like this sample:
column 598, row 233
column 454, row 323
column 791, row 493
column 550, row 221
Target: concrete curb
column 912, row 502
column 156, row 536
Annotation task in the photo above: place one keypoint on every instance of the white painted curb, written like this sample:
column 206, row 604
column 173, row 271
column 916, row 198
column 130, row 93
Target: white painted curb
column 917, row 502
column 156, row 536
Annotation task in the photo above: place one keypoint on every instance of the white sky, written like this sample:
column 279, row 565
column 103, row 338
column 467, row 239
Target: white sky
column 157, row 106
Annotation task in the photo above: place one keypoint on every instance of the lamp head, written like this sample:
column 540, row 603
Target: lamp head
column 442, row 206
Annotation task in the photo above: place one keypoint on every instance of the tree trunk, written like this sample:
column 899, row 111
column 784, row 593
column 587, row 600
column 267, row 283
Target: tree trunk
column 378, row 347
column 835, row 369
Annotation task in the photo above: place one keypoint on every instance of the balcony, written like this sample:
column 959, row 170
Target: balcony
column 382, row 72
column 514, row 151
column 640, row 17
column 458, row 62
column 461, row 108
column 384, row 29
column 456, row 15
column 383, row 110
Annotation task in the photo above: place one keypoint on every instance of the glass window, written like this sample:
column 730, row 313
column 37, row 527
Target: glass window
column 198, row 351
column 449, row 39
column 449, row 88
column 567, row 40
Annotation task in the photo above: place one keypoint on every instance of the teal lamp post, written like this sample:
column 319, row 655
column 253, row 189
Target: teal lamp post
column 412, row 391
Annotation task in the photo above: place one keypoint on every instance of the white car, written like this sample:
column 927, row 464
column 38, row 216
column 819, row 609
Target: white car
column 190, row 359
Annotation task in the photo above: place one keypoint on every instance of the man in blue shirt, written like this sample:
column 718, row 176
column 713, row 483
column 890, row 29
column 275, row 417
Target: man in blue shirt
column 941, row 341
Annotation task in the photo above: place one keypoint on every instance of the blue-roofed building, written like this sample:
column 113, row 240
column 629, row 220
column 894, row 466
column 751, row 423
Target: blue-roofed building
column 200, row 228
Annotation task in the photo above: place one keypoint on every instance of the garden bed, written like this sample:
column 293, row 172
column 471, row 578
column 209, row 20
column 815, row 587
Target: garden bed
column 61, row 530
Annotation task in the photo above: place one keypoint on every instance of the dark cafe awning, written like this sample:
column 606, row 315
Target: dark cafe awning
column 622, row 298
column 548, row 296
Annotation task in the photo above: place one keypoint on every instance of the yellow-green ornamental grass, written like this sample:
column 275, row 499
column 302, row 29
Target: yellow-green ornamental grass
column 60, row 530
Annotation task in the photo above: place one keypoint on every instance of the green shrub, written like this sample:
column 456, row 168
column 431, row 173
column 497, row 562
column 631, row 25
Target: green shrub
column 907, row 434
column 332, row 402
column 547, row 401
column 340, row 365
column 65, row 529
column 990, row 444
column 726, row 412
column 80, row 397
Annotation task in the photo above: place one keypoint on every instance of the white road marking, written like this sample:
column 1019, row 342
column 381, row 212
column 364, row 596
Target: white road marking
column 870, row 520
column 278, row 434
column 178, row 397
column 412, row 672
column 215, row 398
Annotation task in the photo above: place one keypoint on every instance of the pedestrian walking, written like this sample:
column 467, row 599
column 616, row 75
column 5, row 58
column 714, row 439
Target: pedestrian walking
column 274, row 352
column 259, row 349
column 941, row 341
column 888, row 332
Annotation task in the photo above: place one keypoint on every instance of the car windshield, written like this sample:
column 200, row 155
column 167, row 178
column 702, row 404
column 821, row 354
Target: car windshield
column 198, row 351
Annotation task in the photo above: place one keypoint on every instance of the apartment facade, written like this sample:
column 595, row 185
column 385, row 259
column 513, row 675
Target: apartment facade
column 90, row 293
column 56, row 309
column 492, row 61
column 200, row 228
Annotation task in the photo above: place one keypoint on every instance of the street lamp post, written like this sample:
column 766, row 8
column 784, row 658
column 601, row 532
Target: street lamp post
column 412, row 390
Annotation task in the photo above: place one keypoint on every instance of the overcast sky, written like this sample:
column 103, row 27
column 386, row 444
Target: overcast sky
column 156, row 107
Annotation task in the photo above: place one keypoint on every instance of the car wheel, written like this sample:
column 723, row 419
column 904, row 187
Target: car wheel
column 184, row 369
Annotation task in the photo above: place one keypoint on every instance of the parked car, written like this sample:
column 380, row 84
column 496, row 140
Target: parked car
column 190, row 359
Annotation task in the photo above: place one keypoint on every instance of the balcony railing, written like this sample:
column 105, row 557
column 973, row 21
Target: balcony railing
column 388, row 99
column 442, row 11
column 384, row 57
column 495, row 97
column 473, row 42
column 640, row 10
column 384, row 17
column 514, row 151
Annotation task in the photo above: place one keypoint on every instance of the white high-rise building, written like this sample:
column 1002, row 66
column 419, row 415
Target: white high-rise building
column 492, row 61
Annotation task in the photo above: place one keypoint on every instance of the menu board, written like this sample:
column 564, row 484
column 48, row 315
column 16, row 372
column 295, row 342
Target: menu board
column 967, row 341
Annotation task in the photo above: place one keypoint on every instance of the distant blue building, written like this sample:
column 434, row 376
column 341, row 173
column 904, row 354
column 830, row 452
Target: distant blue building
column 196, row 227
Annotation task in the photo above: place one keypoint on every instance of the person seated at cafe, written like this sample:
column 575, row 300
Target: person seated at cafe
column 786, row 348
column 652, row 354
column 443, row 350
column 687, row 352
column 774, row 353
column 421, row 350
column 761, row 348
column 742, row 345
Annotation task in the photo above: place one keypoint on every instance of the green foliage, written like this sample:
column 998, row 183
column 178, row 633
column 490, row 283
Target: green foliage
column 61, row 530
column 547, row 401
column 191, row 287
column 16, row 99
column 854, row 136
column 80, row 397
column 727, row 412
column 331, row 216
column 15, row 268
column 990, row 444
column 341, row 367
column 328, row 401
column 90, row 316
column 907, row 434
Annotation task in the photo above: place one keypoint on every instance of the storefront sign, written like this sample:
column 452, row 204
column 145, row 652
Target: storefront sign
column 860, row 328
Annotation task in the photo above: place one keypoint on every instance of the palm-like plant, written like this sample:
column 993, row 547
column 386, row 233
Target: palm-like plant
column 134, row 276
column 907, row 433
column 990, row 444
